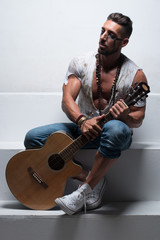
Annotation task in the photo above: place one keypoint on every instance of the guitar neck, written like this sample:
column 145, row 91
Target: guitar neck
column 107, row 117
column 72, row 148
column 79, row 142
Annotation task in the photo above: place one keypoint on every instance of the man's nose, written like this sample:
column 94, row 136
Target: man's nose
column 104, row 36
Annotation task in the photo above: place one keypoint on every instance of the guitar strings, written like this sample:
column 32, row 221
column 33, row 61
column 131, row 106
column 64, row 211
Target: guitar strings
column 57, row 161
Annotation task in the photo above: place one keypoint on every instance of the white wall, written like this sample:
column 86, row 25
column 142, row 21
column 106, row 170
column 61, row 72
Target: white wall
column 39, row 37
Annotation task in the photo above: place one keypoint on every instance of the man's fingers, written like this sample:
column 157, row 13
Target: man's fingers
column 121, row 100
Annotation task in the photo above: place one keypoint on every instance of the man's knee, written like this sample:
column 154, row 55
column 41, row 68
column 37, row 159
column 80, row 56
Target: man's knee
column 116, row 136
column 117, row 131
column 30, row 140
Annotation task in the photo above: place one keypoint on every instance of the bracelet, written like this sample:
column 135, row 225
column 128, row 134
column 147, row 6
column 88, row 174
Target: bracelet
column 77, row 120
column 81, row 121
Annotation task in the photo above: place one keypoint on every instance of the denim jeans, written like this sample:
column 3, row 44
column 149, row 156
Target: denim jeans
column 115, row 137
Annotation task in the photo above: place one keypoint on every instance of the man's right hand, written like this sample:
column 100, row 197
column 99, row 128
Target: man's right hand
column 90, row 128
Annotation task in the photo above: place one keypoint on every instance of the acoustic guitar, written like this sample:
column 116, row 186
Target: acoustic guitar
column 37, row 177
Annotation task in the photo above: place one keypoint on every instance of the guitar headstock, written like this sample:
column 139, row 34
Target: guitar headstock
column 137, row 93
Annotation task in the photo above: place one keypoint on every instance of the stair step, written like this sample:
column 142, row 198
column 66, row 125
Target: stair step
column 29, row 110
column 14, row 209
column 113, row 221
column 135, row 177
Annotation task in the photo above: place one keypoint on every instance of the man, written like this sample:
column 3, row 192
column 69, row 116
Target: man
column 101, row 81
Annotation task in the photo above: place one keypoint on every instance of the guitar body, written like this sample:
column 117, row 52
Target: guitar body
column 37, row 177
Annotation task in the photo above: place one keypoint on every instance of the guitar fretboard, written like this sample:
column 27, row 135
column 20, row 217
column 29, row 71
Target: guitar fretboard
column 68, row 152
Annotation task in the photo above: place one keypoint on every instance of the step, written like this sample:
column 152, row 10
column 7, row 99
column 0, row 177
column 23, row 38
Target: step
column 135, row 177
column 23, row 111
column 114, row 221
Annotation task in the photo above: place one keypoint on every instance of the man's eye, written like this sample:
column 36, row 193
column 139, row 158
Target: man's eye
column 111, row 35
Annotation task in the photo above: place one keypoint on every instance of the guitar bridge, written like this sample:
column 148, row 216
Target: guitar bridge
column 37, row 178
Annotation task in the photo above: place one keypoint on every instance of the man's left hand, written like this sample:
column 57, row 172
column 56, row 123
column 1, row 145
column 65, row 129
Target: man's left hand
column 119, row 110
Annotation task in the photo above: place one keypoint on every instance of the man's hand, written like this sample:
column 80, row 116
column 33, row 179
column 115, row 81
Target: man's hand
column 120, row 110
column 90, row 127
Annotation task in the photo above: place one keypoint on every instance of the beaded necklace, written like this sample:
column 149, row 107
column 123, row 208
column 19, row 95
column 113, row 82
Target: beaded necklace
column 98, row 80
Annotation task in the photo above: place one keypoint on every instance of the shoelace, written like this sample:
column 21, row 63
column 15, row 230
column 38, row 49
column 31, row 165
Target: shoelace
column 80, row 196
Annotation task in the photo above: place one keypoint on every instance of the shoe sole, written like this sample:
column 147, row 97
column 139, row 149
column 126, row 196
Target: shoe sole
column 97, row 203
column 65, row 208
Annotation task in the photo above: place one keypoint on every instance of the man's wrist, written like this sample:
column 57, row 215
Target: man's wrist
column 80, row 120
column 77, row 120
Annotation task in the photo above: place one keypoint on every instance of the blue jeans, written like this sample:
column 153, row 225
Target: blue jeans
column 115, row 137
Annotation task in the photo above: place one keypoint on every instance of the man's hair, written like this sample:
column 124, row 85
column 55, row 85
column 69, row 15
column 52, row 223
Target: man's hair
column 122, row 20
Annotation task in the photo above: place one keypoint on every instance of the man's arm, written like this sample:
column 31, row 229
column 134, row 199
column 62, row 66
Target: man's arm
column 132, row 116
column 89, row 128
column 70, row 93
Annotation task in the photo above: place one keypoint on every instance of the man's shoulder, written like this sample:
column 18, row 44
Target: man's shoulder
column 130, row 63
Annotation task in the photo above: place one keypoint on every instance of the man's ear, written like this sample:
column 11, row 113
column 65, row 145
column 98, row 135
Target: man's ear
column 125, row 42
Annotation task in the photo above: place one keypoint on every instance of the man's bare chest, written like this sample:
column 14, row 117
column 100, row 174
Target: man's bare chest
column 106, row 81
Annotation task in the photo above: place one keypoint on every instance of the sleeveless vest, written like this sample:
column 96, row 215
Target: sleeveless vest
column 83, row 68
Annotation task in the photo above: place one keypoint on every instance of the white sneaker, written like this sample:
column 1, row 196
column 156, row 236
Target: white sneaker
column 94, row 199
column 75, row 201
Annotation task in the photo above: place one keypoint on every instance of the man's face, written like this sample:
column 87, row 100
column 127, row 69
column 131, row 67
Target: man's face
column 110, row 38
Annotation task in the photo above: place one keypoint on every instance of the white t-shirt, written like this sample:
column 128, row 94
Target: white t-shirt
column 83, row 68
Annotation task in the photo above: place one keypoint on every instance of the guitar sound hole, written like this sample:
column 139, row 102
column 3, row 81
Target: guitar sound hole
column 56, row 162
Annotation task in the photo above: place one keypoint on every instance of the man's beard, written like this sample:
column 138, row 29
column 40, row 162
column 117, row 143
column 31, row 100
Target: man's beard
column 106, row 52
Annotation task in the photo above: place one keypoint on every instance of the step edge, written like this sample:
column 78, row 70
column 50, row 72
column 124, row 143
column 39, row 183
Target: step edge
column 136, row 209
